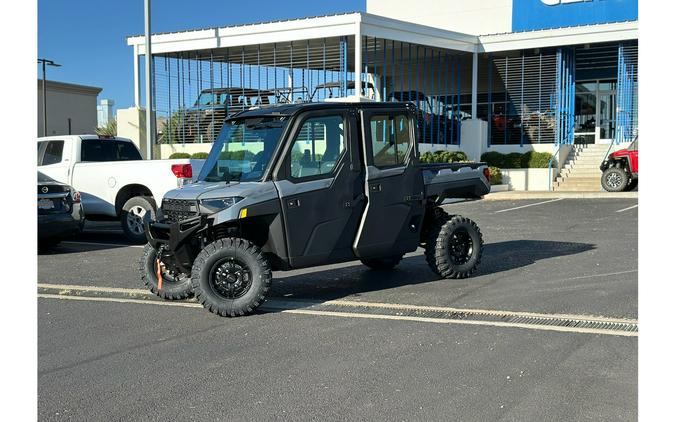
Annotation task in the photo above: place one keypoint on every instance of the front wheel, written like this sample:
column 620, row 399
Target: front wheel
column 614, row 179
column 231, row 277
column 175, row 285
column 134, row 211
column 454, row 247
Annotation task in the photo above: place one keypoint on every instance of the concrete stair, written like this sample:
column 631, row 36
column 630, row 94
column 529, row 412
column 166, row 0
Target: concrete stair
column 581, row 171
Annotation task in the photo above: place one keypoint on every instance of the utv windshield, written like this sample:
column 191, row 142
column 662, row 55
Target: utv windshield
column 243, row 150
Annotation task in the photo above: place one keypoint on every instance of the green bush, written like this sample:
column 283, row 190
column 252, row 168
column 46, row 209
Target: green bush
column 200, row 155
column 176, row 155
column 495, row 176
column 513, row 160
column 536, row 160
column 443, row 156
column 493, row 159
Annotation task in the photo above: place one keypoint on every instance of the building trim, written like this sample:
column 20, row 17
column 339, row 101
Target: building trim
column 587, row 34
column 69, row 88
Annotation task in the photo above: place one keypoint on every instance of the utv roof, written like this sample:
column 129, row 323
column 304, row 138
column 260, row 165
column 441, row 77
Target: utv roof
column 291, row 109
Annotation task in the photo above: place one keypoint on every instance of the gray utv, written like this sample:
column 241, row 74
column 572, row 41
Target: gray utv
column 301, row 185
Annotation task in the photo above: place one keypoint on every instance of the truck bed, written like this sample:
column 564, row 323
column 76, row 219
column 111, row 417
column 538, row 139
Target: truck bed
column 455, row 180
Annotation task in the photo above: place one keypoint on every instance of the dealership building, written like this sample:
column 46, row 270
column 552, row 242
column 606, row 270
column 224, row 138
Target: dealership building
column 490, row 75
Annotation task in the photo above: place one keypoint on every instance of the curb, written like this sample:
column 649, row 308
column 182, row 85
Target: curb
column 500, row 196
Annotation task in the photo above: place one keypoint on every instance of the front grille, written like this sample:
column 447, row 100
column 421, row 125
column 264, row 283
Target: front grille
column 176, row 210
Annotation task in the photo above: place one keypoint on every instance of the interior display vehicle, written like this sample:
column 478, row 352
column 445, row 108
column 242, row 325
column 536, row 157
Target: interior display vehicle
column 301, row 185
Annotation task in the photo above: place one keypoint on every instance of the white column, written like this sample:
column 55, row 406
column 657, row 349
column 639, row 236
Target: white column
column 149, row 121
column 357, row 60
column 137, row 80
column 474, row 86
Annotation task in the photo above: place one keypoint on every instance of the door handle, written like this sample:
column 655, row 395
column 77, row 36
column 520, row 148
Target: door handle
column 293, row 203
column 376, row 188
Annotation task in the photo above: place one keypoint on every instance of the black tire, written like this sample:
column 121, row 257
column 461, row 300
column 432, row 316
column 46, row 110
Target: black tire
column 614, row 179
column 382, row 264
column 45, row 245
column 632, row 185
column 133, row 213
column 173, row 287
column 231, row 277
column 454, row 247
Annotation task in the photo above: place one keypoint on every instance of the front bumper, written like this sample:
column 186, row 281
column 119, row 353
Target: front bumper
column 173, row 235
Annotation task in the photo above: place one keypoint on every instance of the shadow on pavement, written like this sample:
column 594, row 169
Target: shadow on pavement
column 337, row 283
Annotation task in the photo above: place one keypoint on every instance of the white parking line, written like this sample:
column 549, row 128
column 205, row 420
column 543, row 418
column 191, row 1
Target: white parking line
column 629, row 208
column 119, row 245
column 530, row 205
column 299, row 307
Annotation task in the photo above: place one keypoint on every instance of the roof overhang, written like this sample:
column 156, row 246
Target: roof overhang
column 587, row 34
column 366, row 24
column 349, row 24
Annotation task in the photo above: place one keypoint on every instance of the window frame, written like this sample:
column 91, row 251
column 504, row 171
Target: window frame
column 297, row 128
column 369, row 136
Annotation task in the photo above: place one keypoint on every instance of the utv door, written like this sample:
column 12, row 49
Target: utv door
column 391, row 221
column 320, row 184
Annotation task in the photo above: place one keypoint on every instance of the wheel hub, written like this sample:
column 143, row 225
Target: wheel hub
column 135, row 219
column 231, row 279
column 460, row 247
column 613, row 180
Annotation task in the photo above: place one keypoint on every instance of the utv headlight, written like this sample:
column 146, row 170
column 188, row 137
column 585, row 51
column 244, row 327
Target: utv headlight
column 218, row 204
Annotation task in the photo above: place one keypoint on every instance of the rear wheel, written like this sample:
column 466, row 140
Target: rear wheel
column 382, row 264
column 134, row 211
column 231, row 277
column 175, row 285
column 454, row 247
column 614, row 179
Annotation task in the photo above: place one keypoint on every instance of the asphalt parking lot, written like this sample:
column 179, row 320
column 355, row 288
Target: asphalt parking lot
column 106, row 352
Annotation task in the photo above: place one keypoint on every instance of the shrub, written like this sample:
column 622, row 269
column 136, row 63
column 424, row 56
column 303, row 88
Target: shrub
column 536, row 160
column 200, row 155
column 513, row 160
column 495, row 176
column 443, row 156
column 179, row 155
column 493, row 159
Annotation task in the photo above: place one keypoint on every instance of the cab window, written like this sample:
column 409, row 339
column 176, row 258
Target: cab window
column 317, row 147
column 390, row 139
column 53, row 153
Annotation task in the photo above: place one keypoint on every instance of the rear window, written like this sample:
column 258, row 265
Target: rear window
column 108, row 150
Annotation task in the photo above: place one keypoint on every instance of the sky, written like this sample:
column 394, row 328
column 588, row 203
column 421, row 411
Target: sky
column 88, row 37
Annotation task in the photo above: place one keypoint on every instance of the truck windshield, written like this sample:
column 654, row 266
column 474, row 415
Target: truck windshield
column 243, row 150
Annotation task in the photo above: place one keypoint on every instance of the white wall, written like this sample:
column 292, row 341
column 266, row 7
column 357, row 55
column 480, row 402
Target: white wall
column 476, row 17
column 68, row 101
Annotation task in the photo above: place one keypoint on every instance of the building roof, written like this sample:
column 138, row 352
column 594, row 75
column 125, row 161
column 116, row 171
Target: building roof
column 68, row 87
column 367, row 24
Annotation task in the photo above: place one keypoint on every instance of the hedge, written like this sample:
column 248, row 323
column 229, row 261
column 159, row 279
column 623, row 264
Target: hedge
column 516, row 160
column 179, row 155
column 200, row 155
column 444, row 157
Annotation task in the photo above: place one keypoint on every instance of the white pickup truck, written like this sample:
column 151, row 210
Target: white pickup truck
column 112, row 178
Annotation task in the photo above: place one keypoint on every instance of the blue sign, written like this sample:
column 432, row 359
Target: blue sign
column 530, row 15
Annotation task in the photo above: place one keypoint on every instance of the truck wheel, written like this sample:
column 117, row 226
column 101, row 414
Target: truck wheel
column 231, row 277
column 454, row 247
column 382, row 264
column 174, row 286
column 133, row 213
column 614, row 179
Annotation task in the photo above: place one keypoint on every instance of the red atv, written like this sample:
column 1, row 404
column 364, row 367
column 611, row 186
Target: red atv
column 620, row 169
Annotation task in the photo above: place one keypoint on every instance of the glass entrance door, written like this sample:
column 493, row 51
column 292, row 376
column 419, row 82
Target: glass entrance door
column 606, row 119
column 595, row 112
